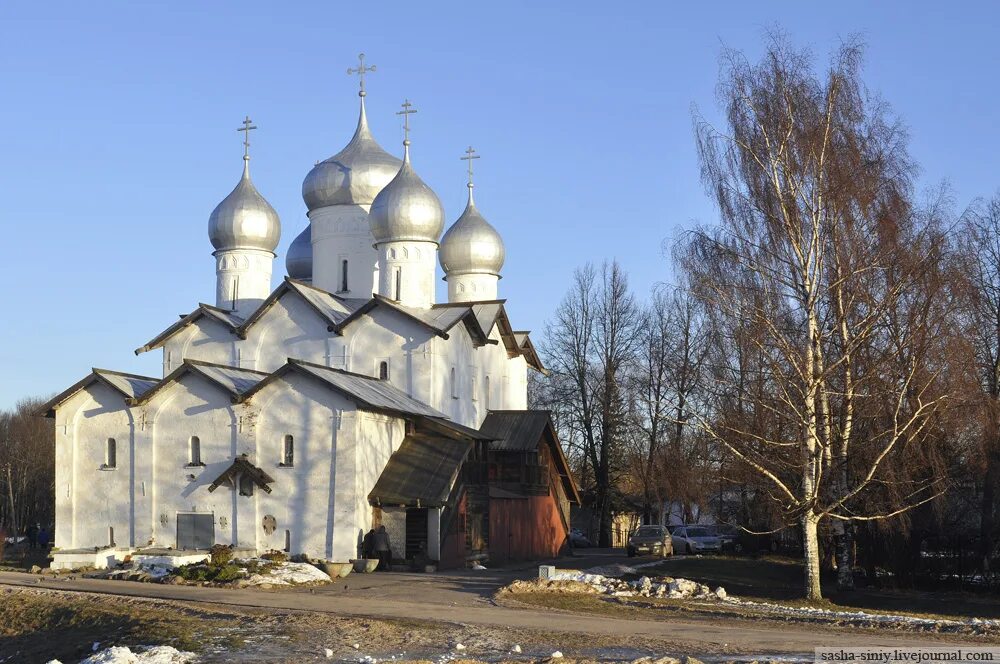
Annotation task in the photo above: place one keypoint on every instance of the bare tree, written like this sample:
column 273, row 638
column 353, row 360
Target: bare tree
column 27, row 468
column 980, row 252
column 590, row 345
column 808, row 271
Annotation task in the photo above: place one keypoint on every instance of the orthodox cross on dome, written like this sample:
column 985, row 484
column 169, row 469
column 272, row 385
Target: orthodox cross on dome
column 361, row 70
column 470, row 154
column 407, row 110
column 247, row 127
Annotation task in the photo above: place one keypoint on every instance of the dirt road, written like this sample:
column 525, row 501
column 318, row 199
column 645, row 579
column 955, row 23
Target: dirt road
column 464, row 598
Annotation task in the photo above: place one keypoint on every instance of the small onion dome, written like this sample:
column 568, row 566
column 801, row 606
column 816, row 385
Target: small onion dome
column 471, row 245
column 406, row 209
column 353, row 176
column 299, row 259
column 244, row 219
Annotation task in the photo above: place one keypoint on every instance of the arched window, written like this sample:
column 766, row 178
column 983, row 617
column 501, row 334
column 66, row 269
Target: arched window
column 288, row 451
column 383, row 370
column 246, row 485
column 454, row 384
column 486, row 391
column 343, row 275
column 194, row 452
column 288, row 540
column 111, row 454
column 111, row 536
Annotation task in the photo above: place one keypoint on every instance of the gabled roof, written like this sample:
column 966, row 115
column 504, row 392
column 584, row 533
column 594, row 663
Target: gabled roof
column 233, row 380
column 333, row 309
column 527, row 348
column 439, row 319
column 226, row 318
column 527, row 430
column 241, row 466
column 366, row 392
column 421, row 473
column 128, row 385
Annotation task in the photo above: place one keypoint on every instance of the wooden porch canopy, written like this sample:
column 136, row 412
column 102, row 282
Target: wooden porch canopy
column 242, row 466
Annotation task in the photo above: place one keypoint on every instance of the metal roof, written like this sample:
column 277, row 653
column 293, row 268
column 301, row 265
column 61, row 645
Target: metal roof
column 486, row 313
column 226, row 318
column 234, row 380
column 334, row 309
column 421, row 472
column 367, row 392
column 129, row 385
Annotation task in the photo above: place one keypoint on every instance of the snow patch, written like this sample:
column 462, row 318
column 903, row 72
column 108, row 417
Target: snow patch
column 124, row 655
column 644, row 587
column 286, row 574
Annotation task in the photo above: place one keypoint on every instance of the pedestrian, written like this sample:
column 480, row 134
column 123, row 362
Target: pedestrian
column 43, row 538
column 383, row 549
column 368, row 544
column 32, row 533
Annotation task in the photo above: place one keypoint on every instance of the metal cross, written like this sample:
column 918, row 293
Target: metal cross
column 407, row 110
column 246, row 129
column 470, row 154
column 361, row 70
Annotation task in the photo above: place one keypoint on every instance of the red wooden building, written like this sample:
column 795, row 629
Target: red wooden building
column 502, row 493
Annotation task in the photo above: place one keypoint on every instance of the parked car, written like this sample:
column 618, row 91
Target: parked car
column 650, row 539
column 695, row 539
column 729, row 537
column 578, row 539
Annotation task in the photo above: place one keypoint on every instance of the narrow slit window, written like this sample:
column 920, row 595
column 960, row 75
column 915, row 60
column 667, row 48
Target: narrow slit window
column 194, row 452
column 486, row 391
column 383, row 370
column 343, row 275
column 399, row 284
column 288, row 451
column 288, row 540
column 454, row 384
column 111, row 536
column 111, row 454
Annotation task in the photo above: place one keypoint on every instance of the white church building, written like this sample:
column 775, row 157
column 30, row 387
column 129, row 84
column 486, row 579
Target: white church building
column 279, row 410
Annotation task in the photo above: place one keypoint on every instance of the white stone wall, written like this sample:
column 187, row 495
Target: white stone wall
column 341, row 232
column 407, row 271
column 242, row 279
column 472, row 287
column 193, row 406
column 91, row 499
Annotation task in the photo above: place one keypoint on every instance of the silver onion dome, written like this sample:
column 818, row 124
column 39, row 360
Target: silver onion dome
column 406, row 209
column 353, row 176
column 471, row 245
column 244, row 219
column 299, row 259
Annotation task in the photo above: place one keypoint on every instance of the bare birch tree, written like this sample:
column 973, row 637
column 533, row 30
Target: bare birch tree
column 810, row 261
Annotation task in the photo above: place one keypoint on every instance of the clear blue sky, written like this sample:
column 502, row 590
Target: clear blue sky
column 118, row 119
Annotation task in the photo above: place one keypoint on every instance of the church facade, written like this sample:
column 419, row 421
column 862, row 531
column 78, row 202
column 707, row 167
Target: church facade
column 300, row 417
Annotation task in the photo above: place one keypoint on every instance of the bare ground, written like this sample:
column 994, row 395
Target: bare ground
column 40, row 624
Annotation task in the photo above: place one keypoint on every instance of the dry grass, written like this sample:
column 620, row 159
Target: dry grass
column 42, row 625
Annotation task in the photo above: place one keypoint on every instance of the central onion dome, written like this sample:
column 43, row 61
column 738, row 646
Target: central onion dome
column 353, row 176
column 299, row 259
column 244, row 219
column 471, row 245
column 406, row 209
